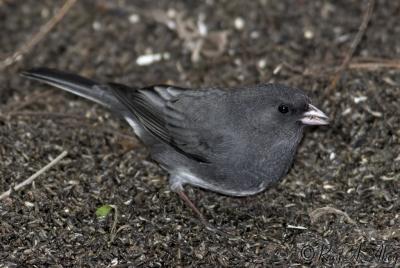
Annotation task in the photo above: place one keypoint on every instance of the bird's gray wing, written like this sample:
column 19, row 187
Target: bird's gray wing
column 155, row 109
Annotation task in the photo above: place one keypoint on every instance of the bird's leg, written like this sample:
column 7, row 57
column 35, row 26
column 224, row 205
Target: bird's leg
column 180, row 191
column 176, row 185
column 188, row 202
column 203, row 220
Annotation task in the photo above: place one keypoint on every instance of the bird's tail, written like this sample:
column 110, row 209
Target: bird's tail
column 75, row 84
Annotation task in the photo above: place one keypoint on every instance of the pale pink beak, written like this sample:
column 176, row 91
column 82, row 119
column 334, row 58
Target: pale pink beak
column 314, row 117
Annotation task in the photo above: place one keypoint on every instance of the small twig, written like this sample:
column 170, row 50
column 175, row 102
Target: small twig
column 316, row 214
column 297, row 227
column 390, row 64
column 353, row 47
column 113, row 232
column 34, row 176
column 36, row 38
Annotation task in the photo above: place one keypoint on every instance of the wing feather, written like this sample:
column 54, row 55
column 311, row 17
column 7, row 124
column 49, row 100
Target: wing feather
column 154, row 109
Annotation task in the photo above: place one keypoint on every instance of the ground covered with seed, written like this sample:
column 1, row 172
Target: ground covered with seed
column 338, row 206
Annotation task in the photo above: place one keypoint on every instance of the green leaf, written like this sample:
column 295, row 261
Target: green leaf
column 103, row 211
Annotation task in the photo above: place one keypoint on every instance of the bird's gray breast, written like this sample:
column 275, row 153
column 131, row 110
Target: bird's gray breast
column 256, row 167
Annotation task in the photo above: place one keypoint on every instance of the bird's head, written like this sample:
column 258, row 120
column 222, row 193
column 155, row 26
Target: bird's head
column 286, row 110
column 298, row 109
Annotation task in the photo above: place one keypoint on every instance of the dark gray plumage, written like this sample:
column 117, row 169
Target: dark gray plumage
column 236, row 142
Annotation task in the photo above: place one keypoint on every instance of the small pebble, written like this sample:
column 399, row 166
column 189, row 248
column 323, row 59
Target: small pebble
column 29, row 204
column 262, row 63
column 254, row 35
column 134, row 18
column 359, row 99
column 202, row 27
column 308, row 34
column 96, row 26
column 239, row 23
column 149, row 59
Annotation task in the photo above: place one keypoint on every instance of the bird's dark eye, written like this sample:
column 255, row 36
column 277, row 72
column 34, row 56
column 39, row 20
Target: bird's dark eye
column 283, row 108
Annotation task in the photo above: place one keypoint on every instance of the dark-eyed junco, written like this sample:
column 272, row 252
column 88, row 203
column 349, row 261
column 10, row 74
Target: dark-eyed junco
column 235, row 142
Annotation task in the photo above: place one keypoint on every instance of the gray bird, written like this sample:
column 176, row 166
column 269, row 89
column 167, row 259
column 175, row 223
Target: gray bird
column 236, row 142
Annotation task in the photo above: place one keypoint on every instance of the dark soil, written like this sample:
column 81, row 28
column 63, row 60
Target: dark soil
column 351, row 166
